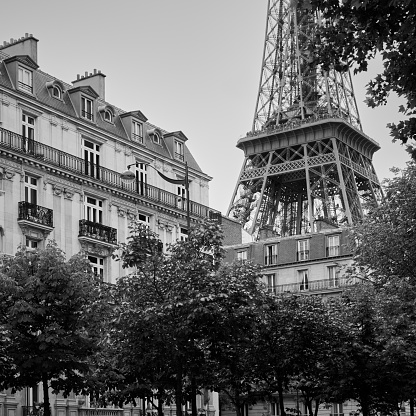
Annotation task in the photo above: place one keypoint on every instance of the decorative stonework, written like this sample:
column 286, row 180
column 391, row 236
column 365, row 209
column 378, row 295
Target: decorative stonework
column 61, row 187
column 96, row 249
column 9, row 169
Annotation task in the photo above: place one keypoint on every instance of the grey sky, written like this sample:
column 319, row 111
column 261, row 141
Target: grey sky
column 190, row 65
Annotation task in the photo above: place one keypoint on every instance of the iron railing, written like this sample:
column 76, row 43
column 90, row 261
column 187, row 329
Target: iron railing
column 268, row 260
column 32, row 410
column 71, row 163
column 87, row 115
column 35, row 213
column 97, row 231
column 137, row 137
column 315, row 285
column 101, row 412
column 25, row 87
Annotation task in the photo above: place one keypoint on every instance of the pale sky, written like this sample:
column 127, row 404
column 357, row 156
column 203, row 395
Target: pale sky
column 190, row 65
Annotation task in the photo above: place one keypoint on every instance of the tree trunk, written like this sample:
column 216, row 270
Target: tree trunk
column 281, row 401
column 160, row 405
column 317, row 403
column 412, row 407
column 46, row 404
column 178, row 394
column 193, row 396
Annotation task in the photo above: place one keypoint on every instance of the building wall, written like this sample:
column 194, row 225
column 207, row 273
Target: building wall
column 62, row 133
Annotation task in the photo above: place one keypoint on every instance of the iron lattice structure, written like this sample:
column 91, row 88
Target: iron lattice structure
column 306, row 158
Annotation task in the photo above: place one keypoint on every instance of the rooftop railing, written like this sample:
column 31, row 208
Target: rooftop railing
column 313, row 286
column 70, row 163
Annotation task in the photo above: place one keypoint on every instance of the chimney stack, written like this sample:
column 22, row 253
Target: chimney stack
column 94, row 80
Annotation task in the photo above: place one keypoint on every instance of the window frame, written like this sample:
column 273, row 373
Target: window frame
column 98, row 268
column 179, row 150
column 332, row 250
column 21, row 84
column 58, row 89
column 271, row 252
column 93, row 211
column 156, row 138
column 333, row 273
column 242, row 254
column 303, row 280
column 108, row 116
column 31, row 184
column 271, row 282
column 84, row 107
column 137, row 131
column 303, row 253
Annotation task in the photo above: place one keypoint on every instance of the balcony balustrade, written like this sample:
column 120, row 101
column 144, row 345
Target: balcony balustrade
column 97, row 231
column 70, row 163
column 314, row 286
column 35, row 214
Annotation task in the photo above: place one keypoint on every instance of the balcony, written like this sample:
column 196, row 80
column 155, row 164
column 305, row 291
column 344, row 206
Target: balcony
column 94, row 232
column 314, row 286
column 34, row 216
column 75, row 165
column 269, row 260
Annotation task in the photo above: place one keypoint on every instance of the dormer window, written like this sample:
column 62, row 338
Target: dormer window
column 86, row 108
column 137, row 131
column 108, row 116
column 56, row 92
column 25, row 81
column 156, row 138
column 179, row 150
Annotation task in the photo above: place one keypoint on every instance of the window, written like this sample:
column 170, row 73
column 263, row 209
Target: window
column 242, row 255
column 333, row 276
column 94, row 210
column 144, row 219
column 137, row 132
column 303, row 280
column 31, row 244
column 25, row 82
column 28, row 133
column 86, row 108
column 92, row 159
column 332, row 245
column 270, row 254
column 337, row 409
column 303, row 250
column 273, row 409
column 156, row 138
column 183, row 234
column 271, row 282
column 141, row 179
column 31, row 189
column 181, row 192
column 108, row 116
column 179, row 150
column 97, row 264
column 56, row 92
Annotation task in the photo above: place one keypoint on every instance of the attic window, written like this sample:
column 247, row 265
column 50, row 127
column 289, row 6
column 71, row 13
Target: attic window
column 156, row 138
column 108, row 116
column 25, row 80
column 56, row 92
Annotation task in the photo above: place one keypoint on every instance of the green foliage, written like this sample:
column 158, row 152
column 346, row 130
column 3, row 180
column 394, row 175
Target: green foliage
column 50, row 315
column 354, row 31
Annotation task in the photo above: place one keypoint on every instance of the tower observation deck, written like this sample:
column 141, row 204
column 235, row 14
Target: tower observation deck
column 306, row 157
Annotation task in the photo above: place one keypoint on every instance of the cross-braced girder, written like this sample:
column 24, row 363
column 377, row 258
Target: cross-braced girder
column 291, row 88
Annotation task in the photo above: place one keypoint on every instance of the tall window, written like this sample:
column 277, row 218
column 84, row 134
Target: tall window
column 97, row 264
column 94, row 210
column 179, row 150
column 332, row 245
column 25, row 81
column 137, row 132
column 92, row 159
column 303, row 250
column 144, row 219
column 31, row 189
column 337, row 409
column 333, row 276
column 141, row 178
column 181, row 192
column 28, row 133
column 271, row 282
column 274, row 409
column 303, row 280
column 86, row 108
column 270, row 254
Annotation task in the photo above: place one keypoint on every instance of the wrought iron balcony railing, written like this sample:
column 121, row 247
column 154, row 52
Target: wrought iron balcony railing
column 314, row 286
column 67, row 162
column 97, row 231
column 35, row 213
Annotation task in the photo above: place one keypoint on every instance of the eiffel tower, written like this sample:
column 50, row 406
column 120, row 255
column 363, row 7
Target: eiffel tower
column 306, row 157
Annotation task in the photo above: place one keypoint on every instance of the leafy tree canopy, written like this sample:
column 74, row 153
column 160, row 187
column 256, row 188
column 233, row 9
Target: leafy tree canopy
column 354, row 31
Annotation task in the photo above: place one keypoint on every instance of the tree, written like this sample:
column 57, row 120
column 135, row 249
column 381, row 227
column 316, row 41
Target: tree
column 51, row 312
column 157, row 337
column 298, row 344
column 354, row 31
